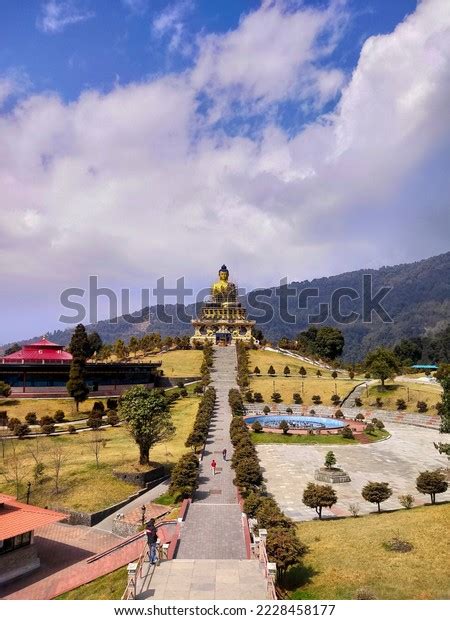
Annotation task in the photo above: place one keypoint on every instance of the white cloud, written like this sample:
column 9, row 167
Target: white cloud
column 171, row 23
column 13, row 83
column 273, row 55
column 136, row 6
column 58, row 14
column 135, row 184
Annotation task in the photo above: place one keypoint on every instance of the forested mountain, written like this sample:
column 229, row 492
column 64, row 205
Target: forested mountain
column 418, row 302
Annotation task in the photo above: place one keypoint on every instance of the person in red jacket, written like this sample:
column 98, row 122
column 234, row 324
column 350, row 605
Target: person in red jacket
column 213, row 467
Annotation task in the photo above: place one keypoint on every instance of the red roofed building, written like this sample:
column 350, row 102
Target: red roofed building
column 18, row 554
column 42, row 351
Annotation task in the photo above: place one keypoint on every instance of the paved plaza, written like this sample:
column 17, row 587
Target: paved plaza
column 205, row 580
column 397, row 460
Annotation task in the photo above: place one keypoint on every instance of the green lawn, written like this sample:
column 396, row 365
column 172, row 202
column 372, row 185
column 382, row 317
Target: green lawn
column 107, row 588
column 348, row 554
column 267, row 438
column 83, row 486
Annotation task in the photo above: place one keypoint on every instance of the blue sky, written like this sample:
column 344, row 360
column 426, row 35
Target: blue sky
column 114, row 43
column 142, row 138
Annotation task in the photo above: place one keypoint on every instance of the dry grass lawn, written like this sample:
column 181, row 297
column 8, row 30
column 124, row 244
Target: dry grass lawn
column 348, row 554
column 179, row 363
column 83, row 486
column 312, row 385
column 19, row 407
column 263, row 359
column 410, row 392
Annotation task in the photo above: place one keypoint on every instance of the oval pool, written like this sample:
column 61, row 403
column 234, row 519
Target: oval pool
column 296, row 421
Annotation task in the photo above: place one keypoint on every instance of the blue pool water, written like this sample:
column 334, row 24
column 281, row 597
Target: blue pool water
column 296, row 421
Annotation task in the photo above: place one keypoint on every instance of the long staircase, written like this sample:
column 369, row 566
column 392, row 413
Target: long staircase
column 211, row 560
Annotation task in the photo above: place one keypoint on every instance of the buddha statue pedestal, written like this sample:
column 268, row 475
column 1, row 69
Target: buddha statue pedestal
column 222, row 320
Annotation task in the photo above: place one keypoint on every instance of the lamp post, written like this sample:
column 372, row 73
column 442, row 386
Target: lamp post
column 28, row 492
column 143, row 514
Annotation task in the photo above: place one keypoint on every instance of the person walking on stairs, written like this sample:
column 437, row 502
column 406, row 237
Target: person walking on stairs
column 152, row 540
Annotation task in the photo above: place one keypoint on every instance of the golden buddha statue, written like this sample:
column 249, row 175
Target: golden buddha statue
column 223, row 291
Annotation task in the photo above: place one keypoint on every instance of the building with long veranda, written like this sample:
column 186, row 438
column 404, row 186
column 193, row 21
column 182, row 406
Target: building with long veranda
column 222, row 318
column 42, row 369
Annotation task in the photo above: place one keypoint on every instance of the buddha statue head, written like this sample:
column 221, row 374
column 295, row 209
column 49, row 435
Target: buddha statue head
column 223, row 290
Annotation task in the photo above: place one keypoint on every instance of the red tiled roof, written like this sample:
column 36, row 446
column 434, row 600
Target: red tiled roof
column 43, row 350
column 17, row 518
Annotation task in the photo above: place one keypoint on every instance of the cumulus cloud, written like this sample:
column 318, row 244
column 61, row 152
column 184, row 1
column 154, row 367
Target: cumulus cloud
column 13, row 83
column 136, row 183
column 56, row 15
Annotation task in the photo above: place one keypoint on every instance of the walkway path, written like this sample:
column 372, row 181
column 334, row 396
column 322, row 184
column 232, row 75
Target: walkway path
column 213, row 527
column 211, row 559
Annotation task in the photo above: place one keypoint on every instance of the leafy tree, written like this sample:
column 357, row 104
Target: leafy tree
column 48, row 429
column 407, row 501
column 400, row 404
column 330, row 459
column 335, row 399
column 133, row 345
column 422, row 406
column 408, row 351
column 316, row 399
column 257, row 427
column 46, row 419
column 329, row 342
column 94, row 420
column 184, row 477
column 5, row 389
column 148, row 418
column 347, row 433
column 382, row 364
column 284, row 548
column 284, row 426
column 431, row 483
column 31, row 418
column 276, row 397
column 112, row 403
column 334, row 374
column 286, row 371
column 444, row 409
column 120, row 350
column 76, row 386
column 248, row 474
column 95, row 343
column 59, row 416
column 271, row 370
column 112, row 417
column 196, row 439
column 14, row 348
column 22, row 430
column 319, row 496
column 376, row 492
column 80, row 347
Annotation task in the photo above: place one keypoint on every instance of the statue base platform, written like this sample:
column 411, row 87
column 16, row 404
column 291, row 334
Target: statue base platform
column 331, row 475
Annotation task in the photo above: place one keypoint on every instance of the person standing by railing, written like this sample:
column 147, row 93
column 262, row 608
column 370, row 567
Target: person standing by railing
column 152, row 540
